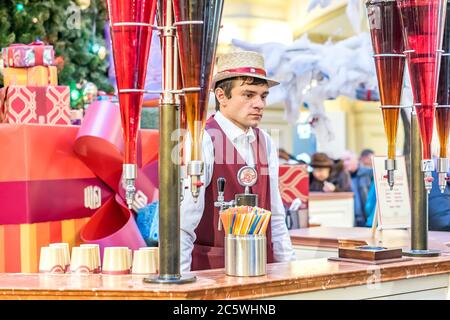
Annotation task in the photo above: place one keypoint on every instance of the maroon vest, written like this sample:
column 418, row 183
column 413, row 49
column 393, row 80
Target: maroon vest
column 208, row 252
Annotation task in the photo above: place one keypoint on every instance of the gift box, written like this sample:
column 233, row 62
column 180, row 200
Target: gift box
column 20, row 243
column 294, row 183
column 38, row 104
column 28, row 55
column 34, row 76
column 43, row 178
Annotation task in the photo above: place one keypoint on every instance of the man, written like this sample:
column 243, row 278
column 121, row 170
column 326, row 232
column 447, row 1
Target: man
column 361, row 180
column 439, row 205
column 232, row 140
column 366, row 157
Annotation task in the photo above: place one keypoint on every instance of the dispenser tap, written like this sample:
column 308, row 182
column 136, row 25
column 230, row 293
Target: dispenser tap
column 427, row 169
column 390, row 165
column 195, row 171
column 129, row 178
column 442, row 169
column 183, row 179
column 221, row 203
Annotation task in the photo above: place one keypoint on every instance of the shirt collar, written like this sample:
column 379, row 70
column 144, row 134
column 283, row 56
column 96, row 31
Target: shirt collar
column 232, row 131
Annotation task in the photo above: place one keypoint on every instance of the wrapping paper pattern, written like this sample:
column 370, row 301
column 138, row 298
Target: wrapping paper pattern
column 38, row 104
column 294, row 183
column 33, row 54
column 20, row 243
column 33, row 76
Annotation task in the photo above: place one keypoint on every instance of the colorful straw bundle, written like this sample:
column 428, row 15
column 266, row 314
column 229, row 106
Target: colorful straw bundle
column 245, row 220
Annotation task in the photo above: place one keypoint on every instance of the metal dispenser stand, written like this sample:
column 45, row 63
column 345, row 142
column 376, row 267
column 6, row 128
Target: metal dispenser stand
column 169, row 171
column 419, row 199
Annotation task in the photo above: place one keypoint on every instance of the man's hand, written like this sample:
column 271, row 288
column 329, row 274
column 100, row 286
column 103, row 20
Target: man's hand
column 328, row 187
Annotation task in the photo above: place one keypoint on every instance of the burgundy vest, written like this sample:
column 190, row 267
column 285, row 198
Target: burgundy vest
column 208, row 252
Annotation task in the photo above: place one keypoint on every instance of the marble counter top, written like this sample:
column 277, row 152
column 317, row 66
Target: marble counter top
column 282, row 279
column 329, row 237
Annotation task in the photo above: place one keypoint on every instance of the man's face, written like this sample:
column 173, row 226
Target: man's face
column 366, row 161
column 321, row 174
column 246, row 105
column 350, row 162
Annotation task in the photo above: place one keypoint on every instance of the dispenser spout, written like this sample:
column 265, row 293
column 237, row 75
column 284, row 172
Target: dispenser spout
column 129, row 178
column 130, row 191
column 390, row 166
column 195, row 171
column 427, row 169
column 442, row 169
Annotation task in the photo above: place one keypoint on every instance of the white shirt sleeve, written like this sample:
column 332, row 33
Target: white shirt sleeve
column 191, row 212
column 281, row 241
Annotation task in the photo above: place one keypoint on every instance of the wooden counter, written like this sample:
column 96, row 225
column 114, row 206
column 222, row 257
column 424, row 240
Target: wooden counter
column 329, row 237
column 310, row 279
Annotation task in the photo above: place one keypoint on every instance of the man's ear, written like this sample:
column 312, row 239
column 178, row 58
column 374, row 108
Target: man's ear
column 221, row 97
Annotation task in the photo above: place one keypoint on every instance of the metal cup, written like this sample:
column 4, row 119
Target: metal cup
column 82, row 260
column 65, row 247
column 145, row 261
column 51, row 260
column 245, row 255
column 116, row 261
column 96, row 251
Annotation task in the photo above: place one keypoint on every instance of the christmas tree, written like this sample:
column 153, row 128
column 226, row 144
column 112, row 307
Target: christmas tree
column 75, row 29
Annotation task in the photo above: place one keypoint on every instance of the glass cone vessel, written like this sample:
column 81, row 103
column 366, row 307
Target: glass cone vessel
column 198, row 23
column 423, row 26
column 131, row 34
column 388, row 47
column 443, row 108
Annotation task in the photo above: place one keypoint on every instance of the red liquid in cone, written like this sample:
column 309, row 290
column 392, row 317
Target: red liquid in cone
column 386, row 34
column 198, row 43
column 131, row 46
column 422, row 22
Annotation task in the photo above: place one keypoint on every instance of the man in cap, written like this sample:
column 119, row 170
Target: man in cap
column 231, row 141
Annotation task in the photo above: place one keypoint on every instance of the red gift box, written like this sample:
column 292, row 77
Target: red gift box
column 28, row 55
column 39, row 104
column 43, row 179
column 294, row 183
column 20, row 244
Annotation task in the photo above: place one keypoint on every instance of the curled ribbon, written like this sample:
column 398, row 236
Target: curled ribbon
column 99, row 144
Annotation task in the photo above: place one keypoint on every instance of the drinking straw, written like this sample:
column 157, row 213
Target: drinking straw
column 266, row 223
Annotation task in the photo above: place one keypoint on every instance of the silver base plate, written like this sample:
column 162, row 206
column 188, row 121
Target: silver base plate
column 181, row 280
column 422, row 253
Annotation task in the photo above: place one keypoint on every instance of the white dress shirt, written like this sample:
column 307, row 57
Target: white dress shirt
column 191, row 212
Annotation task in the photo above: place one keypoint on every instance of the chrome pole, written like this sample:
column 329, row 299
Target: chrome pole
column 169, row 170
column 419, row 198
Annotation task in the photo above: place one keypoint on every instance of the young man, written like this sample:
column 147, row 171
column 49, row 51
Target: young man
column 231, row 141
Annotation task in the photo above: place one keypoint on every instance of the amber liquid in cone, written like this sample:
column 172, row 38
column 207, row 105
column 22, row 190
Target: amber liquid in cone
column 443, row 129
column 443, row 98
column 197, row 43
column 385, row 30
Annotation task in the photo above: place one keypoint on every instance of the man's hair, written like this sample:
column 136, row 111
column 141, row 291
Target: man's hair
column 228, row 84
column 366, row 152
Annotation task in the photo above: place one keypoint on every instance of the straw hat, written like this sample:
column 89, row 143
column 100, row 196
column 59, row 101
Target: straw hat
column 241, row 63
column 321, row 160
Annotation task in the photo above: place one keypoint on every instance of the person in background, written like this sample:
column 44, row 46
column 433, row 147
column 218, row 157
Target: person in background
column 362, row 179
column 439, row 207
column 325, row 177
column 285, row 157
column 365, row 159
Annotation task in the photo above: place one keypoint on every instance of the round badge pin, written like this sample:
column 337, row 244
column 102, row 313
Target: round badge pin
column 247, row 176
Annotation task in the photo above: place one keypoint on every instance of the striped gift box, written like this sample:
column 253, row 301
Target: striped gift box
column 20, row 243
